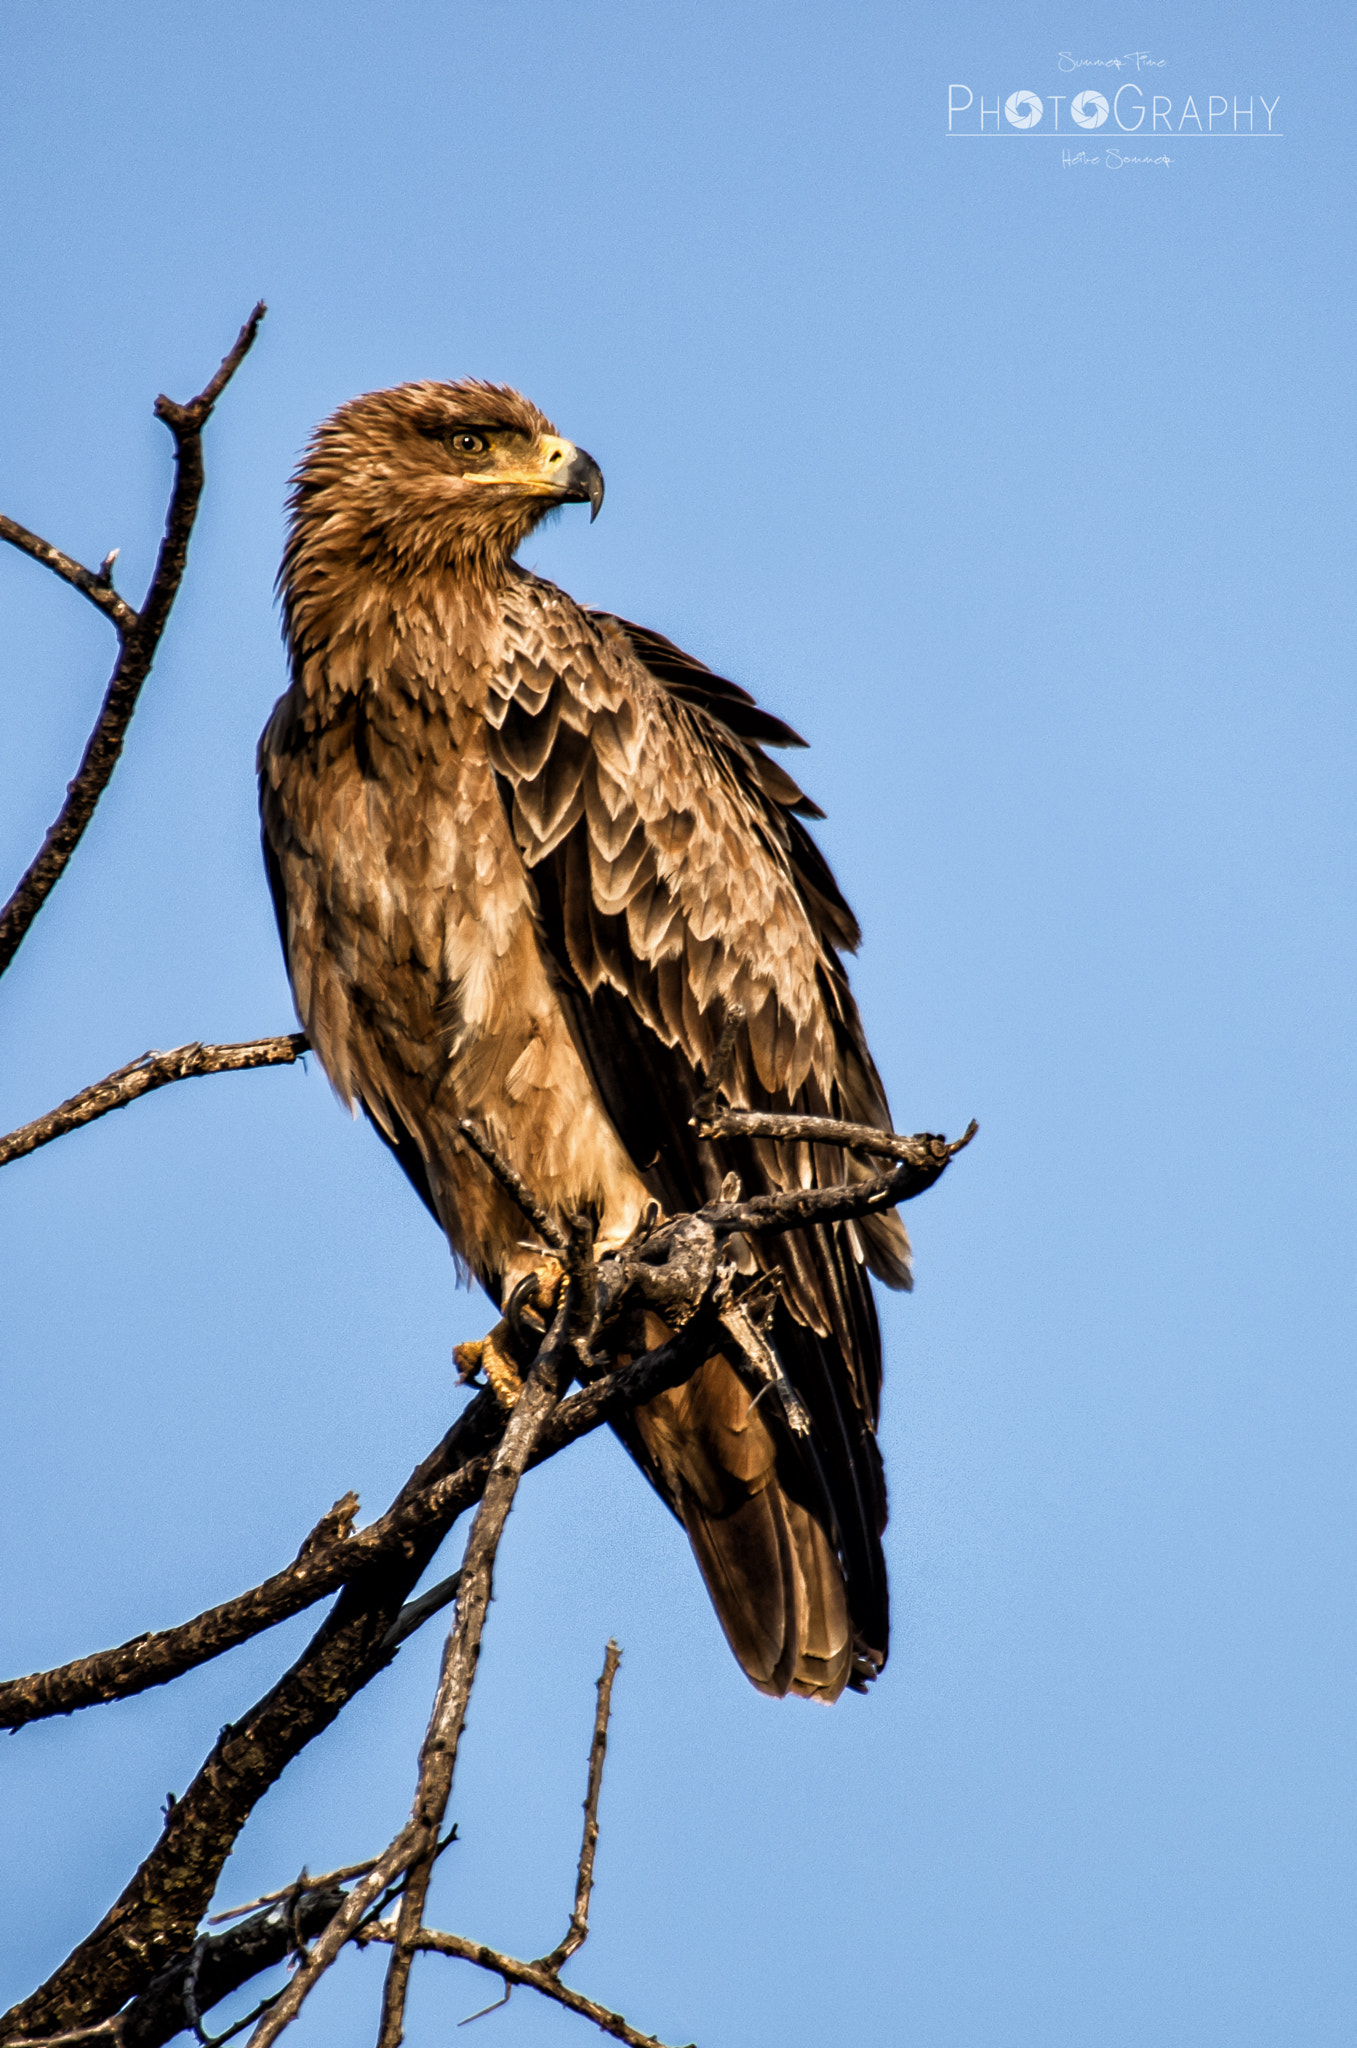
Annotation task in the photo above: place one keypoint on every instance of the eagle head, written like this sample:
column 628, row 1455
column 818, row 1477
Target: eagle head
column 430, row 477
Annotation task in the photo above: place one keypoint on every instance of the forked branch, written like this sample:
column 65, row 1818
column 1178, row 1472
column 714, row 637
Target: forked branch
column 156, row 1918
column 138, row 637
column 410, row 1855
column 544, row 1975
column 336, row 1555
column 512, row 1971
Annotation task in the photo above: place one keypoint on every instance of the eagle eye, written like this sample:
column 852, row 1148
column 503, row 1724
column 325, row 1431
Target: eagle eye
column 467, row 442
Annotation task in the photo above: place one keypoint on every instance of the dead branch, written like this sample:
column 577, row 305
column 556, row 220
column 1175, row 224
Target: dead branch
column 513, row 1184
column 577, row 1933
column 270, row 1925
column 214, row 1968
column 411, row 1854
column 139, row 1077
column 544, row 1974
column 824, row 1130
column 802, row 1207
column 154, row 1920
column 95, row 584
column 224, row 1963
column 328, row 1881
column 138, row 638
column 512, row 1971
column 344, row 1556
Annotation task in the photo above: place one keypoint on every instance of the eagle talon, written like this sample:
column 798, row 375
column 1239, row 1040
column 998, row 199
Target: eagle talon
column 532, row 1303
column 467, row 1359
column 493, row 1356
column 521, row 1311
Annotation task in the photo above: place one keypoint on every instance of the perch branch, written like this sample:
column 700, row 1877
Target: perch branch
column 138, row 636
column 140, row 1077
column 157, row 1914
column 334, row 1556
column 802, row 1207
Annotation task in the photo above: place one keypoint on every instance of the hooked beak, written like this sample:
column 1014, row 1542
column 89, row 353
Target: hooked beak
column 583, row 481
column 557, row 470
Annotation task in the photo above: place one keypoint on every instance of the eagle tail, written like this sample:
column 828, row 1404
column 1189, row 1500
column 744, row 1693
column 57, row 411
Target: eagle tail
column 774, row 1573
column 778, row 1591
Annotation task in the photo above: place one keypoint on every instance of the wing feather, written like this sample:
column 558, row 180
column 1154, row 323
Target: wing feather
column 674, row 876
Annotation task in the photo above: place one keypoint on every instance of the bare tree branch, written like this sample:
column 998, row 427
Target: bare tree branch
column 513, row 1184
column 139, row 636
column 139, row 1077
column 95, row 584
column 335, row 1556
column 328, row 1881
column 515, row 1972
column 412, row 1850
column 825, row 1130
column 578, row 1931
column 415, row 1613
column 802, row 1207
column 155, row 1918
column 271, row 1925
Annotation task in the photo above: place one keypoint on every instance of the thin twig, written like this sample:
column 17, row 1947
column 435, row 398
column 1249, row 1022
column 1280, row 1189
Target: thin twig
column 81, row 2037
column 801, row 1208
column 514, row 1185
column 139, row 1077
column 415, row 1613
column 824, row 1130
column 515, row 1972
column 94, row 584
column 139, row 638
column 494, row 2006
column 326, row 1882
column 578, row 1931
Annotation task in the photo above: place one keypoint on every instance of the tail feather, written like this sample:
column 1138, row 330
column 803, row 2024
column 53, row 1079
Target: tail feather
column 771, row 1569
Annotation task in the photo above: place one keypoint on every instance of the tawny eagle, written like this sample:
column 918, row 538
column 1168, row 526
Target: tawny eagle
column 524, row 856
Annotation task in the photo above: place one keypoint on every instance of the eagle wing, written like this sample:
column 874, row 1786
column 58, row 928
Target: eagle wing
column 675, row 878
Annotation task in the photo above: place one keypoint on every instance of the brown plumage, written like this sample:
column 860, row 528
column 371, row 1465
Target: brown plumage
column 523, row 856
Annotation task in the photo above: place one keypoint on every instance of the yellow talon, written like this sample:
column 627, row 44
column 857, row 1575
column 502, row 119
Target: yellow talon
column 491, row 1355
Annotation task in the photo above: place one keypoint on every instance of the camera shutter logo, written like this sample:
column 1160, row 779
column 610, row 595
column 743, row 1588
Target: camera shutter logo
column 1023, row 109
column 1089, row 109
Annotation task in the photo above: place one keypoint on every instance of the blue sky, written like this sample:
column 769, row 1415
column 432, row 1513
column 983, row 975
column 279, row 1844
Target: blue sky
column 1025, row 493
